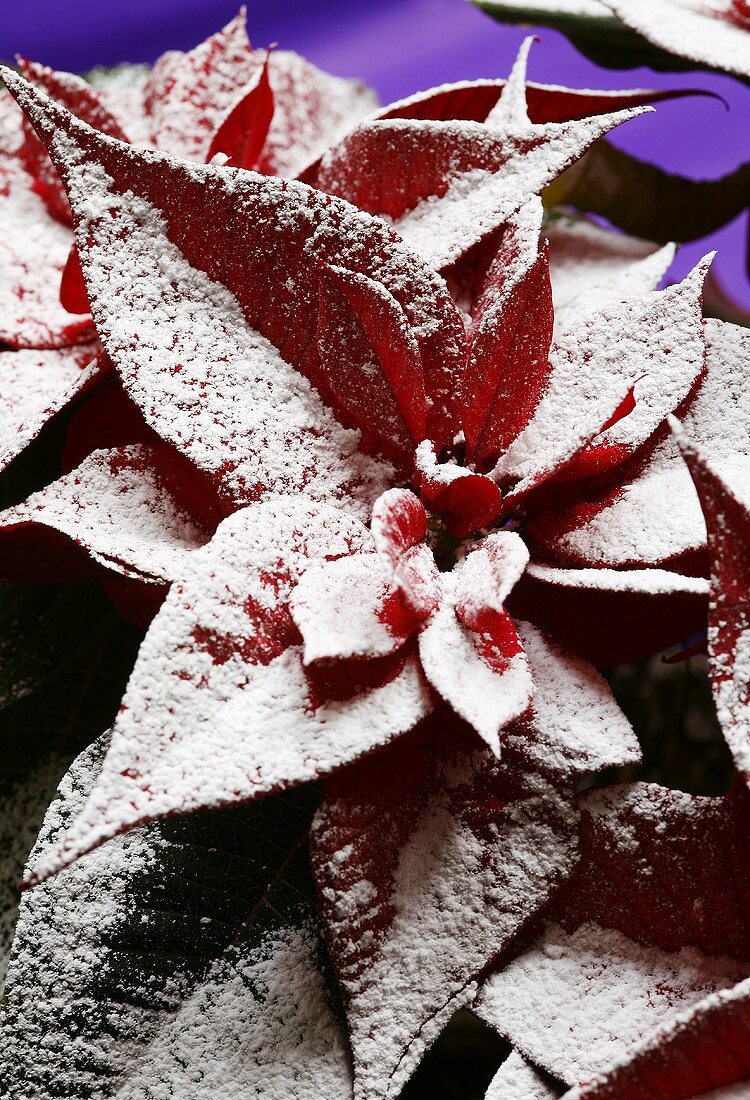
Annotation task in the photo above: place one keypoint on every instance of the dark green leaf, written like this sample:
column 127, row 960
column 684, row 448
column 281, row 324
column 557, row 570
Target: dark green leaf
column 183, row 952
column 604, row 39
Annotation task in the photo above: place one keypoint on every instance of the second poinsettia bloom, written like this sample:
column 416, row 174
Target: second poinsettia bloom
column 369, row 605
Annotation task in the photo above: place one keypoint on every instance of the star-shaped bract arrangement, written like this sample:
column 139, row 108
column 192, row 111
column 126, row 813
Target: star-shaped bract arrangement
column 371, row 429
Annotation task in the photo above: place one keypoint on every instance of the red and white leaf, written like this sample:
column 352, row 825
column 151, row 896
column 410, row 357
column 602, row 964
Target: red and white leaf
column 593, row 267
column 703, row 1047
column 474, row 99
column 715, row 35
column 655, row 918
column 574, row 726
column 726, row 507
column 628, row 523
column 187, row 95
column 348, row 609
column 652, row 347
column 464, row 500
column 399, row 525
column 120, row 510
column 233, row 310
column 241, row 136
column 34, row 248
column 517, row 1080
column 85, row 102
column 220, row 707
column 34, row 387
column 509, row 337
column 484, row 676
column 430, row 857
column 313, row 111
column 446, row 185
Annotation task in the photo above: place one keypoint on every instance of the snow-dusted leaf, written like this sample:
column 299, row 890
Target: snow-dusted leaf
column 463, row 179
column 510, row 336
column 655, row 918
column 574, row 726
column 627, row 522
column 591, row 267
column 33, row 250
column 235, row 309
column 591, row 27
column 34, row 387
column 84, row 101
column 429, row 857
column 220, row 707
column 122, row 965
column 120, row 509
column 187, row 95
column 651, row 347
column 474, row 99
column 517, row 1080
column 726, row 507
column 469, row 648
column 64, row 663
column 715, row 35
column 705, row 1046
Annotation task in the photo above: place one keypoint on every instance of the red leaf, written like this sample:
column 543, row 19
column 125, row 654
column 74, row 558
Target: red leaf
column 429, row 858
column 393, row 404
column 242, row 134
column 82, row 100
column 73, row 294
column 510, row 338
column 611, row 616
column 187, row 95
column 655, row 918
column 446, row 185
column 653, row 343
column 220, row 679
column 725, row 507
column 120, row 511
column 33, row 251
column 34, row 387
column 273, row 268
column 474, row 99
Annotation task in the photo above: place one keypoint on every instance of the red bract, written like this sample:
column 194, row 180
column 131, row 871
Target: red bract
column 650, row 931
column 385, row 433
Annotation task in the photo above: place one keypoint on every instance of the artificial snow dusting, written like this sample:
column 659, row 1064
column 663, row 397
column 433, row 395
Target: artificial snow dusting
column 422, row 883
column 715, row 33
column 33, row 251
column 34, row 385
column 576, row 1002
column 517, row 1080
column 205, row 380
column 220, row 706
column 117, row 506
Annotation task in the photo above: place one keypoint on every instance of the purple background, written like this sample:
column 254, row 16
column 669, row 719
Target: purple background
column 401, row 46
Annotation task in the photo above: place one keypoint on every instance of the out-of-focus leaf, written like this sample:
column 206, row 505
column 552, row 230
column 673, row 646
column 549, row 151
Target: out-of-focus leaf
column 645, row 201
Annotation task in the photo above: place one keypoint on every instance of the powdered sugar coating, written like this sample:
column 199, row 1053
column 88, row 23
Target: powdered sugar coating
column 34, row 386
column 517, row 1080
column 577, row 1002
column 33, row 250
column 219, row 707
column 117, row 506
column 706, row 31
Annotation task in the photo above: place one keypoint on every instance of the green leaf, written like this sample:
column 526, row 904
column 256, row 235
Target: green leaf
column 604, row 39
column 180, row 959
column 65, row 657
column 647, row 202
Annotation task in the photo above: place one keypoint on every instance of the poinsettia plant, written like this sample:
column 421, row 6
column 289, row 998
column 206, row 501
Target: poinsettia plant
column 336, row 467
